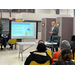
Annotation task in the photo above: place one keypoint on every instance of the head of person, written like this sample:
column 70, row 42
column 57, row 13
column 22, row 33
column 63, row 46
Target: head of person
column 53, row 23
column 41, row 47
column 65, row 44
column 65, row 55
column 40, row 41
column 73, row 38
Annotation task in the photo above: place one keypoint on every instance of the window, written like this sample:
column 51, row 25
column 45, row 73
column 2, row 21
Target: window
column 30, row 10
column 22, row 10
column 5, row 9
column 57, row 11
column 14, row 10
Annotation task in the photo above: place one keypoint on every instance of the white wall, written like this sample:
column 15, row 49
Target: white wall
column 67, row 12
column 71, row 12
column 52, row 11
column 5, row 14
column 43, row 11
column 13, row 15
column 32, row 16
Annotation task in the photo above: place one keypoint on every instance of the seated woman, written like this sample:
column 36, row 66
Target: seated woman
column 40, row 56
column 48, row 50
column 65, row 58
column 64, row 44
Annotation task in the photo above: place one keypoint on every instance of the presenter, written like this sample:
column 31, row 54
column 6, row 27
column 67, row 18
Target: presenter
column 54, row 32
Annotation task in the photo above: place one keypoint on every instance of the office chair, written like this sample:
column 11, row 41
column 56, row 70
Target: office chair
column 55, row 39
column 12, row 41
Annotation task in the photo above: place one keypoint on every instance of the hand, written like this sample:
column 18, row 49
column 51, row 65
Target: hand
column 50, row 32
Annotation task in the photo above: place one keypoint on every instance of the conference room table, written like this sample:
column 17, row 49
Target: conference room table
column 21, row 44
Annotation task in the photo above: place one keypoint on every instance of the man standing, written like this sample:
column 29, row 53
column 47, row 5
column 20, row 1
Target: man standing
column 54, row 31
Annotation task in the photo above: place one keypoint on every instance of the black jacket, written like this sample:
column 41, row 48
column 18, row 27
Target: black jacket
column 73, row 46
column 55, row 31
column 3, row 41
column 38, row 57
column 64, row 63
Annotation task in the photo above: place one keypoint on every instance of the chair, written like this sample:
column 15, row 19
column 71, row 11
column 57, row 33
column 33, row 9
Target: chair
column 35, row 63
column 49, row 53
column 12, row 41
column 55, row 39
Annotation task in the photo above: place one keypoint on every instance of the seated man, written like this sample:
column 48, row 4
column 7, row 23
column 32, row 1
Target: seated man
column 2, row 41
column 40, row 56
column 64, row 44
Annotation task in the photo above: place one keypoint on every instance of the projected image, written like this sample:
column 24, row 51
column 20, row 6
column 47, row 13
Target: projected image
column 22, row 29
column 29, row 30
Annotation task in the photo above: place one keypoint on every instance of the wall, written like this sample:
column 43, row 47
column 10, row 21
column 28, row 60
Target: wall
column 67, row 12
column 74, row 26
column 52, row 11
column 43, row 11
column 13, row 15
column 0, row 14
column 32, row 16
column 5, row 14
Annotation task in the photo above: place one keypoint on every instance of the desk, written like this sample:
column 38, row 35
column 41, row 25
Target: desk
column 21, row 44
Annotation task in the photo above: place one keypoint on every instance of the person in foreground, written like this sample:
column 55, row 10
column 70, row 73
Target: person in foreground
column 42, row 41
column 65, row 58
column 40, row 56
column 64, row 44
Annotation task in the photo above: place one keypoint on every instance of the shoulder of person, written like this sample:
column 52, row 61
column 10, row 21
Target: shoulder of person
column 56, row 26
column 48, row 50
column 55, row 53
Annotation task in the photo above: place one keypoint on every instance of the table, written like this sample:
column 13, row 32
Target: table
column 21, row 44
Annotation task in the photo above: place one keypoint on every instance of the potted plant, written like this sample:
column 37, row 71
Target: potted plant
column 1, row 27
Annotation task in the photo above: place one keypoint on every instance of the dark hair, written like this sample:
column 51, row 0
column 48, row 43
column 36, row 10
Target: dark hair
column 40, row 40
column 73, row 38
column 66, row 54
column 41, row 47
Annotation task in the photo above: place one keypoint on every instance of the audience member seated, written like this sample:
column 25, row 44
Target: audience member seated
column 64, row 58
column 40, row 56
column 64, row 44
column 11, row 46
column 42, row 41
column 3, row 42
column 73, row 45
